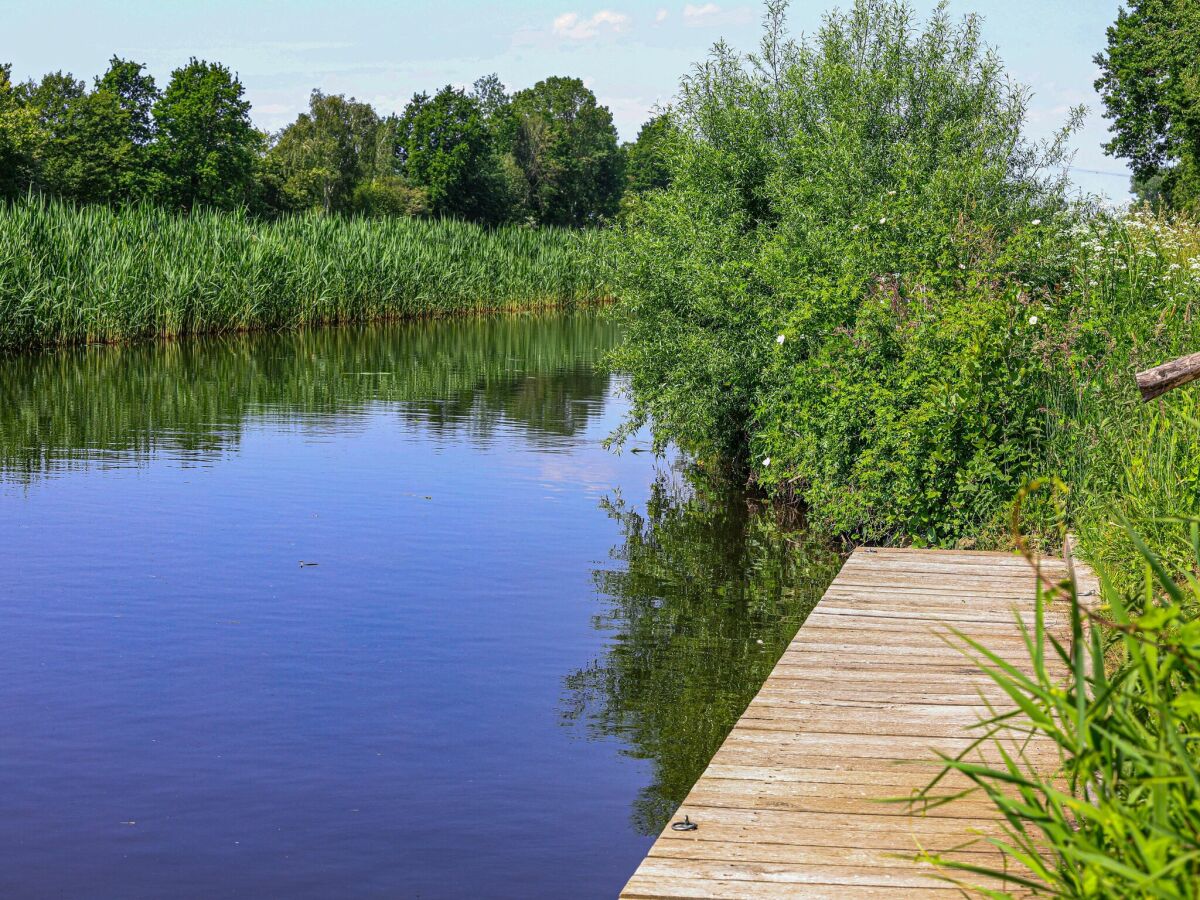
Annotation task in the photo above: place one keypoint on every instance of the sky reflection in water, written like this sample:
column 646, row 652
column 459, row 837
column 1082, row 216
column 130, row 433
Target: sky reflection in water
column 513, row 656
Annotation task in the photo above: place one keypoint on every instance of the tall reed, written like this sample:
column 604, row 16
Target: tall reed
column 71, row 275
column 1135, row 303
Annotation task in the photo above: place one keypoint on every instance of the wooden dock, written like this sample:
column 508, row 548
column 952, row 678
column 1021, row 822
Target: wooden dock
column 868, row 689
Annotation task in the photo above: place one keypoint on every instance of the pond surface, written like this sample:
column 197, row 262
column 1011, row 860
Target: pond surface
column 361, row 613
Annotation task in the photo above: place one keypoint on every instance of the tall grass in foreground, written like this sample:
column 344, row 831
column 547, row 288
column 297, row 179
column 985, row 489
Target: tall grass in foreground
column 1134, row 302
column 1121, row 816
column 71, row 275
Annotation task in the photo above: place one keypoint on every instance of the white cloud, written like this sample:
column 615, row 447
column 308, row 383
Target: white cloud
column 661, row 15
column 629, row 113
column 698, row 15
column 576, row 28
column 712, row 14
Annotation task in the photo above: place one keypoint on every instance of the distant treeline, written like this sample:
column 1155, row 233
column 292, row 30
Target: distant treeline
column 545, row 155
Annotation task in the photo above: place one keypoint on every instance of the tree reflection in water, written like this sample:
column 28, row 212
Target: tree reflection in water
column 705, row 591
column 195, row 398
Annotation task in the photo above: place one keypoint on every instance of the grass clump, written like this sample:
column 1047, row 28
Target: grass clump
column 1120, row 817
column 1133, row 301
column 77, row 275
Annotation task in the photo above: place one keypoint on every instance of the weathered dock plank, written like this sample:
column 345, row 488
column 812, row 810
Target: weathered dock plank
column 867, row 691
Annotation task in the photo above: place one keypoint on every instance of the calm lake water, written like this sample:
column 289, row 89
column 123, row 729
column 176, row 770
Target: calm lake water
column 514, row 654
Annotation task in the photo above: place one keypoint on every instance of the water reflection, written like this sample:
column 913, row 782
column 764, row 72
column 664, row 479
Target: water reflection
column 703, row 594
column 278, row 730
column 193, row 399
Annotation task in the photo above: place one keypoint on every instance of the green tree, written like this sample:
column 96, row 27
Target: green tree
column 93, row 160
column 1150, row 82
column 493, row 99
column 496, row 103
column 51, row 100
column 323, row 156
column 136, row 93
column 647, row 166
column 206, row 150
column 831, row 294
column 384, row 191
column 20, row 136
column 97, row 143
column 384, row 160
column 52, row 97
column 445, row 146
column 566, row 146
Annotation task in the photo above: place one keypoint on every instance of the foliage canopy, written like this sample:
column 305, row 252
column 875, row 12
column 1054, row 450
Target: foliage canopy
column 566, row 145
column 546, row 156
column 207, row 149
column 831, row 293
column 1150, row 82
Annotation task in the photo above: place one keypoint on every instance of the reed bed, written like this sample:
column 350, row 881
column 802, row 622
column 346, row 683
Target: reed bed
column 86, row 275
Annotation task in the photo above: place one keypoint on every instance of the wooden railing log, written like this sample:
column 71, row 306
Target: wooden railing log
column 1157, row 381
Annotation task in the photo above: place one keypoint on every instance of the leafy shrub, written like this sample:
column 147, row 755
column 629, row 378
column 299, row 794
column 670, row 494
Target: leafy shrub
column 390, row 195
column 839, row 291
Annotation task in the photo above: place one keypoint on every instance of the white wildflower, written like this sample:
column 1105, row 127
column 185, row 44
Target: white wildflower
column 779, row 339
column 1036, row 222
column 1033, row 320
column 883, row 220
column 766, row 461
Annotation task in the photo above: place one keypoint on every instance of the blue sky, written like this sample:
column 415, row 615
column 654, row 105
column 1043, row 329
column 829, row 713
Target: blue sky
column 630, row 53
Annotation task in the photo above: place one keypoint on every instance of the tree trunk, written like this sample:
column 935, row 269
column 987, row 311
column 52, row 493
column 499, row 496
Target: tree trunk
column 1157, row 381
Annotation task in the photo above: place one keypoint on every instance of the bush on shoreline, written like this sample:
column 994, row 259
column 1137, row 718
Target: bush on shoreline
column 70, row 276
column 864, row 290
column 834, row 292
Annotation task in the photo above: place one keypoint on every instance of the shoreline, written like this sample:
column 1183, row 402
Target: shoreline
column 165, row 337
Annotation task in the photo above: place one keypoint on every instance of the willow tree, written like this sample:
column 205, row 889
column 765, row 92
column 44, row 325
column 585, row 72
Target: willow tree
column 822, row 297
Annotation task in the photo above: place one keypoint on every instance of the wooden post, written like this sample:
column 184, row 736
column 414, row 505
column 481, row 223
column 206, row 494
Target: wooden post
column 1157, row 381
